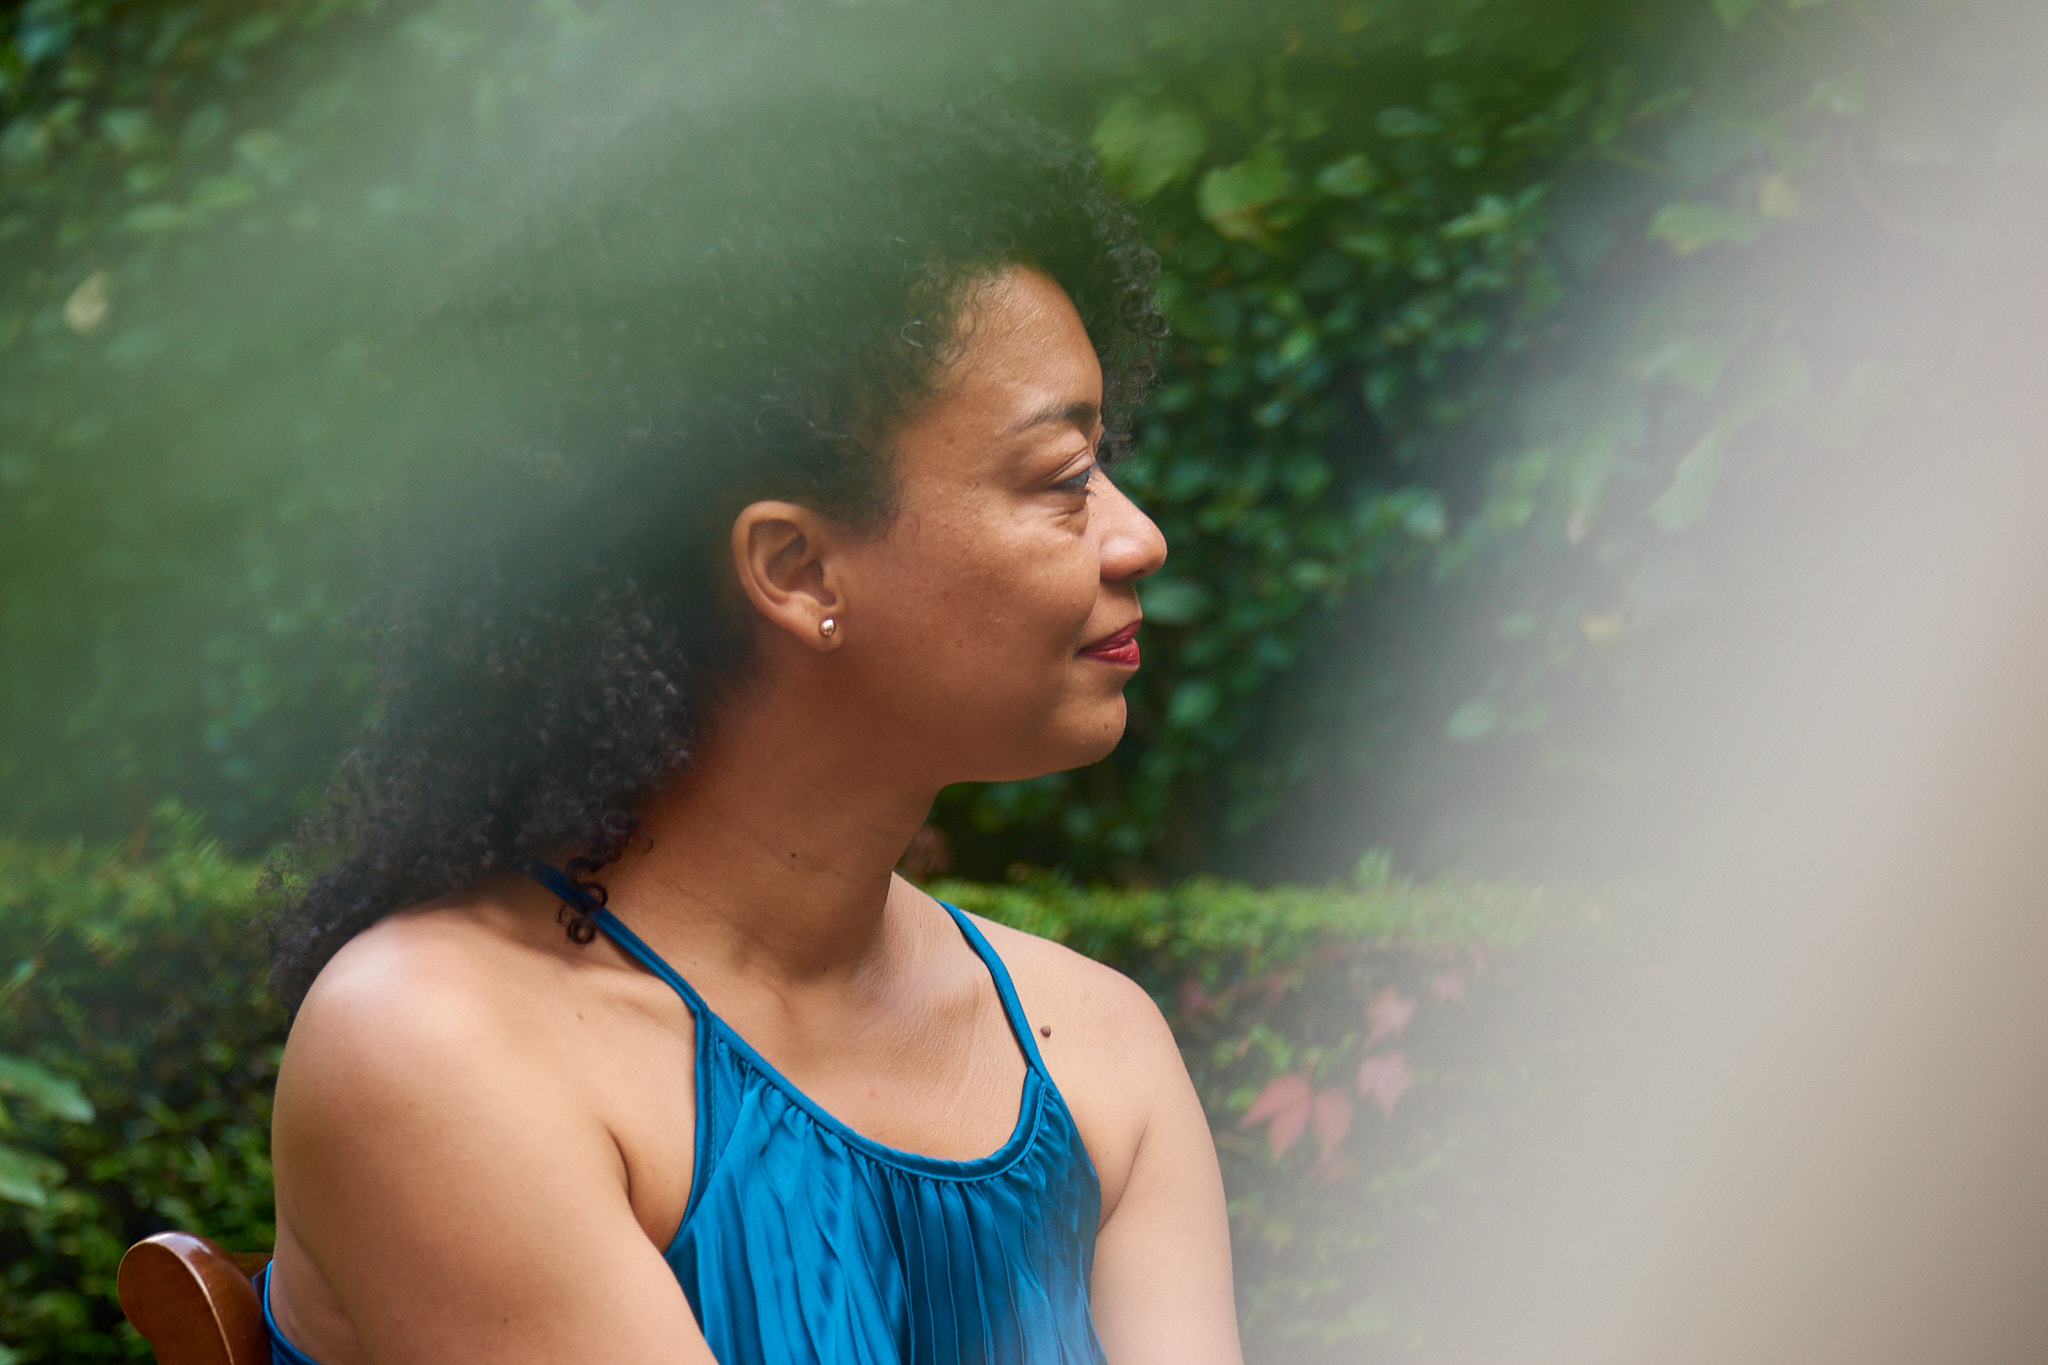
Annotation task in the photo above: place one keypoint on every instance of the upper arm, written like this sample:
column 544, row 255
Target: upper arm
column 462, row 1201
column 1161, row 1290
column 1162, row 1285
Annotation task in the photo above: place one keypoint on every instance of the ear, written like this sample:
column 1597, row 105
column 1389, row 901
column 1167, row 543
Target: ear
column 782, row 554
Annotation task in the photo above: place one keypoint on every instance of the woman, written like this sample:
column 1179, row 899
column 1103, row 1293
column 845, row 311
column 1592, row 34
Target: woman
column 804, row 518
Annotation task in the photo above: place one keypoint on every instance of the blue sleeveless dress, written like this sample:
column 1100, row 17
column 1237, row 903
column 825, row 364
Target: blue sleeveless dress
column 804, row 1243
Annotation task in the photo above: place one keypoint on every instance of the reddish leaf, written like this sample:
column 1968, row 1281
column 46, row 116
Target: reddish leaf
column 1276, row 984
column 1329, row 1119
column 1387, row 1014
column 1285, row 1103
column 1282, row 1092
column 1383, row 1079
column 1448, row 985
column 1287, row 1129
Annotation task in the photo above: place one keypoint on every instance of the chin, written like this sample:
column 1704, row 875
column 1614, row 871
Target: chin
column 1071, row 741
column 1093, row 740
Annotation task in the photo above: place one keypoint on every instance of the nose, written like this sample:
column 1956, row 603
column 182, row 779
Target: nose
column 1132, row 546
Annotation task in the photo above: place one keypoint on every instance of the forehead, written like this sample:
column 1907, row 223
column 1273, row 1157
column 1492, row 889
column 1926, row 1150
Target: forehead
column 1016, row 311
column 1022, row 369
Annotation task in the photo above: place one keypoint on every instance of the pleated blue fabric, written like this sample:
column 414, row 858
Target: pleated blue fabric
column 805, row 1243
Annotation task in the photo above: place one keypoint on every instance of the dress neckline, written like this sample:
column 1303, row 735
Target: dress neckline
column 710, row 1024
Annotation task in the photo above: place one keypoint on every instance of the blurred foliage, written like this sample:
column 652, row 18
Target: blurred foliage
column 1496, row 324
column 25, row 1176
column 133, row 976
column 1497, row 329
column 165, row 621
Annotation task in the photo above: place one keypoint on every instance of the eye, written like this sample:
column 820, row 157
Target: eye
column 1077, row 482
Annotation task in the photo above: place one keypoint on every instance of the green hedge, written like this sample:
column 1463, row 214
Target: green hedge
column 136, row 971
column 138, row 974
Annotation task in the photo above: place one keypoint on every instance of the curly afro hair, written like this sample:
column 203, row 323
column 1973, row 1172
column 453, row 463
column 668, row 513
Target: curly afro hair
column 687, row 319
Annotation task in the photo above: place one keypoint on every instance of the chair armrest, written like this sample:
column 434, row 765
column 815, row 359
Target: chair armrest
column 194, row 1302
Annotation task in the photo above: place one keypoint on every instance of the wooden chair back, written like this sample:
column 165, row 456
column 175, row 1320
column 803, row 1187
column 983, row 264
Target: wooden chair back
column 193, row 1302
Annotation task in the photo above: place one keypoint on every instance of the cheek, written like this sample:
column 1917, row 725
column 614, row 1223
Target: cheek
column 998, row 599
column 1037, row 591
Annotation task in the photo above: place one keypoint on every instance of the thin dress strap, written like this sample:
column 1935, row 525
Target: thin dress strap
column 615, row 929
column 1013, row 1008
column 636, row 948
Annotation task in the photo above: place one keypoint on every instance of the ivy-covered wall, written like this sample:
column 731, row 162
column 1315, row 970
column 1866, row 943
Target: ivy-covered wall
column 1498, row 326
column 1503, row 334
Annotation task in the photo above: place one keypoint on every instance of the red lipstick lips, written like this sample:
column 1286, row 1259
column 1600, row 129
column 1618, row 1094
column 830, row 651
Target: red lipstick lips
column 1120, row 649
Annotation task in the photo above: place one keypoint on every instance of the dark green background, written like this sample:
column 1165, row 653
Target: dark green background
column 1500, row 329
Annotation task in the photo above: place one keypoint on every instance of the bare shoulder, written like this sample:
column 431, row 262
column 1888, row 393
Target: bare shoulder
column 1105, row 1042
column 446, row 1017
column 425, row 985
column 452, row 1179
column 1061, row 986
column 424, row 1030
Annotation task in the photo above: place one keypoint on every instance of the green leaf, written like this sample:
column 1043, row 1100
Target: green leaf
column 1778, row 197
column 1691, row 494
column 268, row 154
column 206, row 125
column 1696, row 360
column 51, row 1093
column 1473, row 721
column 1173, row 601
column 25, row 145
column 1426, row 520
column 254, row 31
column 1349, row 177
column 1402, row 122
column 1371, row 246
column 1194, row 702
column 1733, row 12
column 1146, row 145
column 128, row 131
column 219, row 192
column 26, row 1177
column 1230, row 197
column 1767, row 379
column 1691, row 226
column 154, row 217
column 1492, row 215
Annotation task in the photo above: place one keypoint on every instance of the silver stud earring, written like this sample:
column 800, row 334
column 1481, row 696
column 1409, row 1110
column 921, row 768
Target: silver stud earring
column 828, row 627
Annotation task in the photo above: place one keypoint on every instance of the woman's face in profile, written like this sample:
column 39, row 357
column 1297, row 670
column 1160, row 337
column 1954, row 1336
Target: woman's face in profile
column 991, row 625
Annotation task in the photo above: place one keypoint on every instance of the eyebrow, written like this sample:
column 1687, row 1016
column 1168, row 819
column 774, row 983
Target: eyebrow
column 1083, row 415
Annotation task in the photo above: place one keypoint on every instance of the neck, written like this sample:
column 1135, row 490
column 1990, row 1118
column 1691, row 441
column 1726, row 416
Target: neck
column 774, row 853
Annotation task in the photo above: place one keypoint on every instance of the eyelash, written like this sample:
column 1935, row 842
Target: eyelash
column 1077, row 483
